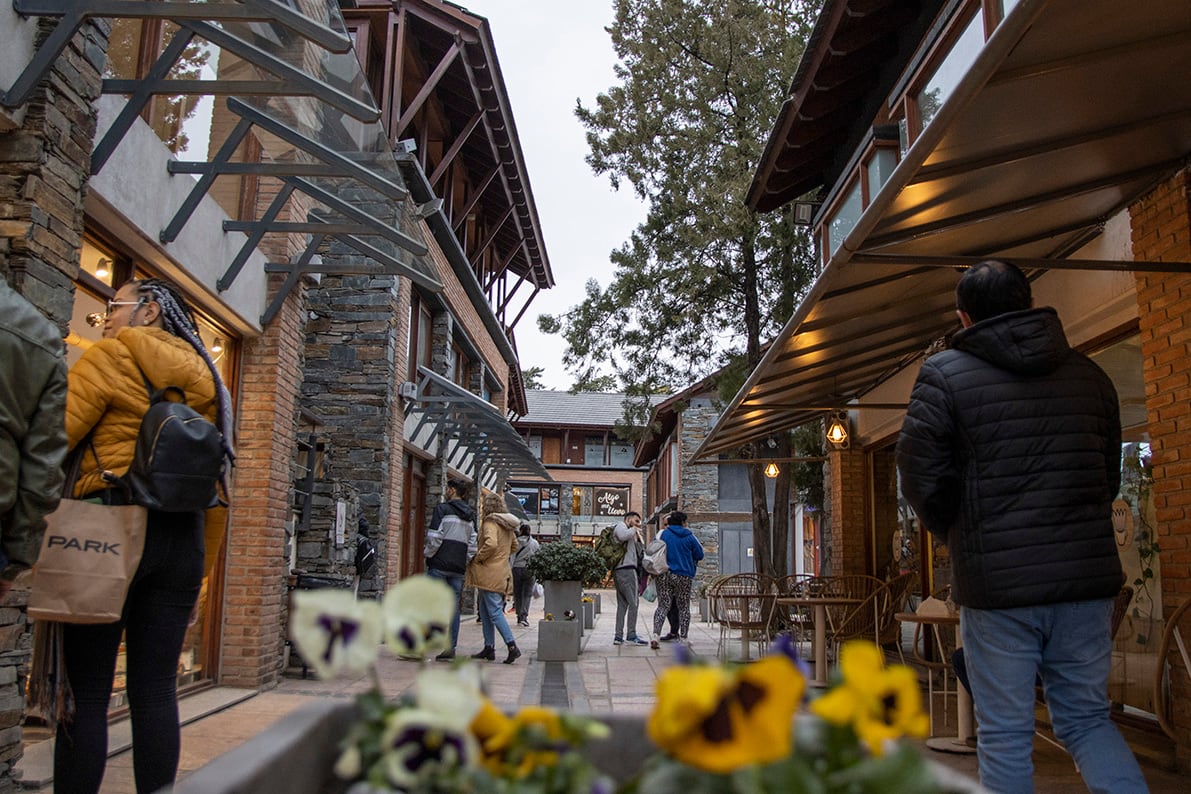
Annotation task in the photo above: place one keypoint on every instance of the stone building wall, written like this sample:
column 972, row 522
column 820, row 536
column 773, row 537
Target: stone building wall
column 44, row 167
column 698, row 487
column 350, row 382
column 1161, row 231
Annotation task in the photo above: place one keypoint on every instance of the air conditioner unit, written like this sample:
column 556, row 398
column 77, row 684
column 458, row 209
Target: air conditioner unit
column 407, row 390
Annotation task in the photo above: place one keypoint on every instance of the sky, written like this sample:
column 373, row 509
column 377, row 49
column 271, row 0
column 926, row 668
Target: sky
column 552, row 52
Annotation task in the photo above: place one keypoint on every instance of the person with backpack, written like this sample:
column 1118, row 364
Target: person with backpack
column 683, row 553
column 523, row 581
column 450, row 546
column 149, row 334
column 625, row 575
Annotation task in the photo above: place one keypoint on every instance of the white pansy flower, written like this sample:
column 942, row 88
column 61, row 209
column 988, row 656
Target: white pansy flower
column 417, row 616
column 417, row 744
column 453, row 693
column 334, row 632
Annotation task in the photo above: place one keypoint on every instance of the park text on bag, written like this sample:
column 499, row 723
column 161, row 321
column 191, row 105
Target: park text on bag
column 609, row 549
column 178, row 460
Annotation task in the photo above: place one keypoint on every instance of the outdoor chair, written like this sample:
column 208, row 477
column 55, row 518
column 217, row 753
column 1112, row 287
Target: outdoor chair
column 1174, row 664
column 888, row 628
column 744, row 602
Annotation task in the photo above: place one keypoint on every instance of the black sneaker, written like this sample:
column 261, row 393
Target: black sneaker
column 445, row 656
column 618, row 641
column 669, row 637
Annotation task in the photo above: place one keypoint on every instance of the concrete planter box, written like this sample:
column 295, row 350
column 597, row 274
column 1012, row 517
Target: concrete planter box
column 558, row 640
column 561, row 596
column 588, row 614
column 705, row 610
column 295, row 756
column 596, row 598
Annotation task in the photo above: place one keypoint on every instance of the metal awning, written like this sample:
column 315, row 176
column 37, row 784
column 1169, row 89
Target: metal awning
column 1072, row 110
column 473, row 435
column 291, row 74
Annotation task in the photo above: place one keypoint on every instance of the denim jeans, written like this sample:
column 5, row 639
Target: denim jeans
column 455, row 580
column 492, row 614
column 626, row 601
column 1070, row 647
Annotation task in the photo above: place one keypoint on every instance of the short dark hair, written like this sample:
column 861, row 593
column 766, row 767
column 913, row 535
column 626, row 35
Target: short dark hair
column 460, row 487
column 631, row 513
column 677, row 518
column 524, row 529
column 991, row 288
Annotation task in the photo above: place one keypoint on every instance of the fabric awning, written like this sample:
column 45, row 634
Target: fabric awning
column 1072, row 110
column 475, row 437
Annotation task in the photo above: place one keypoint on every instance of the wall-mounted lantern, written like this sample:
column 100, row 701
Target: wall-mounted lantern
column 837, row 430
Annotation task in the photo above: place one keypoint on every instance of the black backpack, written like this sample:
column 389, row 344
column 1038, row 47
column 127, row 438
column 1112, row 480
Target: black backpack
column 178, row 461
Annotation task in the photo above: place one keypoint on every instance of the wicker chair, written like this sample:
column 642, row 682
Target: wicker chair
column 744, row 602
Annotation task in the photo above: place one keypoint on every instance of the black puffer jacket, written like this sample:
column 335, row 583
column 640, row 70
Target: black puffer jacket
column 1011, row 452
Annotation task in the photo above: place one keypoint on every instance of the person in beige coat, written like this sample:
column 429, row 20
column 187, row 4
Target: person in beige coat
column 491, row 574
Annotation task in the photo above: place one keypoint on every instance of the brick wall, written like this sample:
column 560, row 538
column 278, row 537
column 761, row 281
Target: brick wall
column 254, row 615
column 44, row 164
column 848, row 497
column 1161, row 224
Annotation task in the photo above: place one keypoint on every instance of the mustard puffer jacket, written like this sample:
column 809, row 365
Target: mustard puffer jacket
column 490, row 568
column 105, row 393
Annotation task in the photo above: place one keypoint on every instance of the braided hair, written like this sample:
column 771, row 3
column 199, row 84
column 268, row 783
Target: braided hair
column 178, row 319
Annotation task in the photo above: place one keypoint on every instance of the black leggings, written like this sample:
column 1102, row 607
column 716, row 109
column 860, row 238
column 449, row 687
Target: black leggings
column 156, row 614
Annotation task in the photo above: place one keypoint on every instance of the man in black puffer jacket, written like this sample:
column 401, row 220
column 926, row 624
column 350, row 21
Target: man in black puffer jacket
column 1011, row 453
column 450, row 545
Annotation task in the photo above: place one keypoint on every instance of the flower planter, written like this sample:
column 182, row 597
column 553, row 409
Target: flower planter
column 562, row 596
column 558, row 640
column 296, row 755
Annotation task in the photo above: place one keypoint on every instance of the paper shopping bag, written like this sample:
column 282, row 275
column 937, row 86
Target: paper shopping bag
column 88, row 557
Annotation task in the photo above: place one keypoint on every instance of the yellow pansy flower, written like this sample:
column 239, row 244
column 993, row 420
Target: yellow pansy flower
column 880, row 703
column 720, row 720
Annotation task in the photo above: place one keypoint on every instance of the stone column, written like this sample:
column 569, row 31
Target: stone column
column 45, row 151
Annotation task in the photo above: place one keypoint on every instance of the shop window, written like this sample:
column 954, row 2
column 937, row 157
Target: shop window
column 589, row 501
column 537, row 500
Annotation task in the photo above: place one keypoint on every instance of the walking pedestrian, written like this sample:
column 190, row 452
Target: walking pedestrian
column 491, row 574
column 450, row 545
column 523, row 580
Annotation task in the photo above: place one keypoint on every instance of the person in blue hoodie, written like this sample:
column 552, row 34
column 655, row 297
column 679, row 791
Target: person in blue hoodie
column 450, row 545
column 683, row 552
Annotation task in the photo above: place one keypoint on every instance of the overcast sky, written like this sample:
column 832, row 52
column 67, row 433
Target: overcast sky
column 551, row 53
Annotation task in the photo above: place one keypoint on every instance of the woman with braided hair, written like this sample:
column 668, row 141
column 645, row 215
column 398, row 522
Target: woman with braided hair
column 149, row 334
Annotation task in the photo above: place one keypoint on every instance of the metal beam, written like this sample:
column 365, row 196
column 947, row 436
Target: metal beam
column 389, row 232
column 350, row 168
column 250, row 244
column 291, row 280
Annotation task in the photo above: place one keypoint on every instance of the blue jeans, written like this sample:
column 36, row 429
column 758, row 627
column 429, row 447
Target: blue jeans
column 1070, row 647
column 455, row 580
column 492, row 613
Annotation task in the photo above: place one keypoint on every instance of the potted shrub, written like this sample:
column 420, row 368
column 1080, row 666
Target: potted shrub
column 564, row 569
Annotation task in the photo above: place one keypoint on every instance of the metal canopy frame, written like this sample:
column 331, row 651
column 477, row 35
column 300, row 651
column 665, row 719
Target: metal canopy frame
column 340, row 161
column 1051, row 131
column 470, row 433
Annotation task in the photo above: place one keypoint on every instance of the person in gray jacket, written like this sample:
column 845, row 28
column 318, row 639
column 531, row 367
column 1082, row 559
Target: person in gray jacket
column 450, row 545
column 628, row 532
column 32, row 430
column 523, row 581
